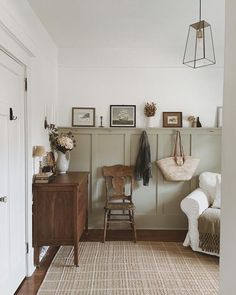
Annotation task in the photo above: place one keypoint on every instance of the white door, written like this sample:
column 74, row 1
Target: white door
column 12, row 180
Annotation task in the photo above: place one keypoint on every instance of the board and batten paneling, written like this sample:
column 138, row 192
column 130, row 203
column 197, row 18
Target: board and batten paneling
column 158, row 204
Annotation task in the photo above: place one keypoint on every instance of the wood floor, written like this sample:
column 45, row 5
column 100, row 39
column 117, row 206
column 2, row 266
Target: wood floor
column 31, row 285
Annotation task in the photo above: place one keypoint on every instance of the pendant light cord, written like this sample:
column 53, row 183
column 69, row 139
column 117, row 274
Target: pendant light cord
column 200, row 10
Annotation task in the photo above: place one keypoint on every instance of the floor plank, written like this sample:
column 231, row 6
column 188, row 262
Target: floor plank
column 31, row 285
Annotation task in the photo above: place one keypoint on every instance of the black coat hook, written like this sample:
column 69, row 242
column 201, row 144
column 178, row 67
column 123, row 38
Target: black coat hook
column 12, row 117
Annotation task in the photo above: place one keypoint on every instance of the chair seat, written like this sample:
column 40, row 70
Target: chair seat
column 119, row 206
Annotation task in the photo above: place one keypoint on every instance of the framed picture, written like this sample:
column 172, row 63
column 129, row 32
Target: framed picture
column 83, row 117
column 219, row 116
column 122, row 116
column 49, row 162
column 172, row 119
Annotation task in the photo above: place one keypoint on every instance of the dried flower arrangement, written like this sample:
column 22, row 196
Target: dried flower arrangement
column 191, row 118
column 150, row 109
column 193, row 121
column 61, row 142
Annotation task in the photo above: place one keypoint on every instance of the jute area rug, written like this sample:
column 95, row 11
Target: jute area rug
column 125, row 268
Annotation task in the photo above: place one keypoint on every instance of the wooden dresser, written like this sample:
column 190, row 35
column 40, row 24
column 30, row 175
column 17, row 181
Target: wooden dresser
column 60, row 212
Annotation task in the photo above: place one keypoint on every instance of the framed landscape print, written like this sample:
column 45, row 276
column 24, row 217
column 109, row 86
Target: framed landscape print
column 122, row 116
column 172, row 119
column 83, row 117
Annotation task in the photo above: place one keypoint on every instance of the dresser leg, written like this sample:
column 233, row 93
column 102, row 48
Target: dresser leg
column 76, row 254
column 86, row 223
column 36, row 256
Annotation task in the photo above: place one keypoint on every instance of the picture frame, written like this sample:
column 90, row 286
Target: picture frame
column 219, row 117
column 122, row 115
column 172, row 119
column 49, row 163
column 83, row 117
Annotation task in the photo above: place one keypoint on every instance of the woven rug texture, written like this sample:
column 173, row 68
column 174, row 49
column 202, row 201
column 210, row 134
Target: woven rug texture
column 126, row 268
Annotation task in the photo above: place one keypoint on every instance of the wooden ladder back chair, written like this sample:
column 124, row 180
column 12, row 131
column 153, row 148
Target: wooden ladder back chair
column 119, row 187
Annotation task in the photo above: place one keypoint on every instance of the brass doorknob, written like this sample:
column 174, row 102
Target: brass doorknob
column 3, row 199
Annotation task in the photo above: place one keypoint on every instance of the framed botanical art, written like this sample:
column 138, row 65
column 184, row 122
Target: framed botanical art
column 83, row 117
column 172, row 119
column 122, row 116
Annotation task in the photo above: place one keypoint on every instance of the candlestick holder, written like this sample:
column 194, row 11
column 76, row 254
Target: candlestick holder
column 47, row 125
column 101, row 121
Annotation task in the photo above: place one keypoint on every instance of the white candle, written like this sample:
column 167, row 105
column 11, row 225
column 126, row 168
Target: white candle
column 52, row 114
column 56, row 117
column 45, row 111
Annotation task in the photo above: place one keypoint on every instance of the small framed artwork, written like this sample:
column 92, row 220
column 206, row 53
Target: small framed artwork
column 122, row 115
column 219, row 116
column 172, row 119
column 49, row 163
column 83, row 117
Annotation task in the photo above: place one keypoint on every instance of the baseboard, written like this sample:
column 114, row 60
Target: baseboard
column 95, row 235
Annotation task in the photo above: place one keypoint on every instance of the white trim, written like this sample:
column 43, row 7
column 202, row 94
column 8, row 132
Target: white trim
column 29, row 173
column 14, row 48
column 9, row 44
column 13, row 33
column 28, row 176
column 16, row 40
column 22, row 36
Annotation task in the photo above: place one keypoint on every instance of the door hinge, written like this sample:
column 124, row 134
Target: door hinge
column 27, row 247
column 26, row 84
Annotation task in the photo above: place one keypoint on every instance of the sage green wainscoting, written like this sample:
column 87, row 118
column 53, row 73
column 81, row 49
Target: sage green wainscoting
column 157, row 205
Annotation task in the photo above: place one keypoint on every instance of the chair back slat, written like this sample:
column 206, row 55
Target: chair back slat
column 118, row 170
column 118, row 179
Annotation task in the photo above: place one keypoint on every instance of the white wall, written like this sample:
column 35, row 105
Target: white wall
column 228, row 220
column 23, row 36
column 131, row 53
column 19, row 19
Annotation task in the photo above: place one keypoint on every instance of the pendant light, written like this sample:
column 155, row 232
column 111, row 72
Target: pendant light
column 199, row 49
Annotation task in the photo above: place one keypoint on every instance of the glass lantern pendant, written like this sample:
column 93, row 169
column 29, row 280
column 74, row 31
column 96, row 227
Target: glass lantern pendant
column 199, row 49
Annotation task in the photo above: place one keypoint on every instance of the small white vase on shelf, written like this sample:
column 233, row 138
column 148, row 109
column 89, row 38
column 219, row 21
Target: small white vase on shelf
column 150, row 122
column 62, row 162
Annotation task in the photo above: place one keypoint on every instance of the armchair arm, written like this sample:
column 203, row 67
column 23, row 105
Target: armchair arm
column 195, row 203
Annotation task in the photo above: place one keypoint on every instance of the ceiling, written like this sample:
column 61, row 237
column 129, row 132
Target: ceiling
column 125, row 23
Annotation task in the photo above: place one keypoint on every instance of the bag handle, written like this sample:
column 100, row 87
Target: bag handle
column 178, row 145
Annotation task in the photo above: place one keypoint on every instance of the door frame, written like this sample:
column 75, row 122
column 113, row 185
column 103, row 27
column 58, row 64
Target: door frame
column 19, row 52
column 25, row 150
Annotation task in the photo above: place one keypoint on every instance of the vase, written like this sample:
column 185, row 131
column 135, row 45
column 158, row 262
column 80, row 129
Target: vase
column 150, row 122
column 198, row 122
column 62, row 162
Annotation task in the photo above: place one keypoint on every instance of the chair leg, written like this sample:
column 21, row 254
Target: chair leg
column 133, row 226
column 130, row 219
column 105, row 226
column 108, row 218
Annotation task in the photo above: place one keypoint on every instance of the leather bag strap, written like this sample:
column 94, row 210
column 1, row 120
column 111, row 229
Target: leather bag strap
column 178, row 148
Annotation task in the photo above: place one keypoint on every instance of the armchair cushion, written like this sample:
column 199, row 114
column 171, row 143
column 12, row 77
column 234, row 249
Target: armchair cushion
column 207, row 181
column 217, row 200
column 209, row 230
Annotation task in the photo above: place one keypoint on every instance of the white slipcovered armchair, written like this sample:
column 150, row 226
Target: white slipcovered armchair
column 195, row 204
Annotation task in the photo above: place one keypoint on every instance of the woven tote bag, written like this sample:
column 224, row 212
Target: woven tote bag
column 178, row 167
